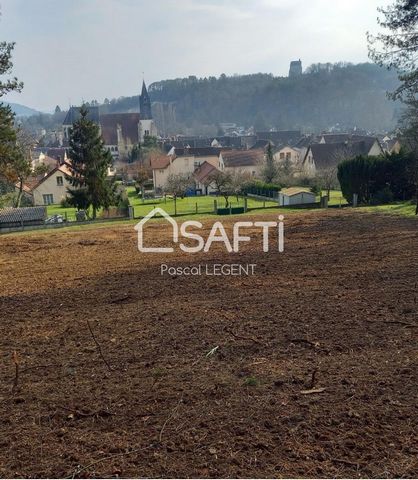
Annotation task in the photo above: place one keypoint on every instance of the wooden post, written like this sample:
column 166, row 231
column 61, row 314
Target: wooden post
column 196, row 207
column 245, row 204
column 215, row 206
column 355, row 199
column 175, row 205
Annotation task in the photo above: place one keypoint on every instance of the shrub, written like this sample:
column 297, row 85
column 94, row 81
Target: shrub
column 65, row 202
column 373, row 177
column 382, row 196
column 261, row 188
column 316, row 189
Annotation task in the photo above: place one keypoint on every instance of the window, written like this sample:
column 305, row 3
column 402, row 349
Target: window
column 48, row 198
column 281, row 155
column 60, row 181
column 146, row 132
column 288, row 155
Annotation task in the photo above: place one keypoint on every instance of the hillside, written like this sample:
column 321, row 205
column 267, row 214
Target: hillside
column 325, row 95
column 22, row 110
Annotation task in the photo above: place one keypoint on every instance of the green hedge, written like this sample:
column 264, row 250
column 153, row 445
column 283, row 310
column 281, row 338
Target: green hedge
column 378, row 179
column 228, row 211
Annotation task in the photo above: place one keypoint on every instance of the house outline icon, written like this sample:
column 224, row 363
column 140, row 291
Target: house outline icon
column 139, row 228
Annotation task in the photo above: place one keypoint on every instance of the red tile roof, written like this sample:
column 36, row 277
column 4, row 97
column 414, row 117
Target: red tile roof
column 202, row 173
column 161, row 162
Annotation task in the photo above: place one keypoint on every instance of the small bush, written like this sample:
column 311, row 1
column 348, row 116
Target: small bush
column 316, row 189
column 65, row 202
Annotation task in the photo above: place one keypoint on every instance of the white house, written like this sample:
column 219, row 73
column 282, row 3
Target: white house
column 51, row 188
column 245, row 161
column 323, row 156
column 181, row 161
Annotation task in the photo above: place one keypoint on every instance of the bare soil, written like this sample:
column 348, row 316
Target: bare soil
column 113, row 377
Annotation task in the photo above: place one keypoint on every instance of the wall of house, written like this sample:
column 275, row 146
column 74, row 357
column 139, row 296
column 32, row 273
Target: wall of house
column 308, row 165
column 50, row 186
column 251, row 170
column 287, row 153
column 298, row 199
column 376, row 149
column 184, row 165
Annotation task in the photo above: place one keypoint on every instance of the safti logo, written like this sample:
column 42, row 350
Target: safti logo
column 217, row 234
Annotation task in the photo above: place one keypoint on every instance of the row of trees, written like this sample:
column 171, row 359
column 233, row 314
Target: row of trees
column 351, row 95
column 379, row 179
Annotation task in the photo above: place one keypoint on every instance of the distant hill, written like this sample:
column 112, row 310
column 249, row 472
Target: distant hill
column 325, row 95
column 22, row 110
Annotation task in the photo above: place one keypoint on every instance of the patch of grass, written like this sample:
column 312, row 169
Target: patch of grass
column 189, row 205
column 251, row 382
column 399, row 208
column 58, row 210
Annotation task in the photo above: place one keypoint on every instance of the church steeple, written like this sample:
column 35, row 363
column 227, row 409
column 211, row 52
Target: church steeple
column 145, row 104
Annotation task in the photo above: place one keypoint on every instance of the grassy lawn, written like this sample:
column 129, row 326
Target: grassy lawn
column 58, row 210
column 336, row 198
column 189, row 205
column 398, row 208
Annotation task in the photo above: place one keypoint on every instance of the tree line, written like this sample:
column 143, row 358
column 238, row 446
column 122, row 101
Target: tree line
column 325, row 95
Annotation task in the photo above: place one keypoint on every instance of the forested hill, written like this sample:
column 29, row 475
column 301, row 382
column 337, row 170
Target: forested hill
column 325, row 95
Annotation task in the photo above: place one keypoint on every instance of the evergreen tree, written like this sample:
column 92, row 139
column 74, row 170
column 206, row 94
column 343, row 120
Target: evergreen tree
column 270, row 170
column 12, row 163
column 89, row 163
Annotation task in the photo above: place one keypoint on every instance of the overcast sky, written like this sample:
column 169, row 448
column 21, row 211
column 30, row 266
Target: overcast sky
column 69, row 50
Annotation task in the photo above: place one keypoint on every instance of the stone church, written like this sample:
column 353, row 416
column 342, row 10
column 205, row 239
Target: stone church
column 120, row 131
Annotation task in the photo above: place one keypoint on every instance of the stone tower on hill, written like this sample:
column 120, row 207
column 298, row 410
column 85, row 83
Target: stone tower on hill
column 295, row 68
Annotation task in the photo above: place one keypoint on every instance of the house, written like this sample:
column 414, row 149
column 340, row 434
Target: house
column 323, row 156
column 181, row 161
column 295, row 196
column 245, row 161
column 392, row 145
column 202, row 176
column 52, row 187
column 290, row 155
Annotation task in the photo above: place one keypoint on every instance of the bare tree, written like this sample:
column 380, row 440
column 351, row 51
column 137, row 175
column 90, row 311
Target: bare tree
column 223, row 184
column 20, row 166
column 238, row 181
column 177, row 185
column 328, row 179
